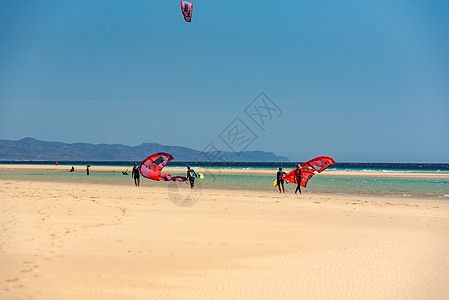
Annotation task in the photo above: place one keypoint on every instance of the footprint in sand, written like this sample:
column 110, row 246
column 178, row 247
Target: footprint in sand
column 26, row 270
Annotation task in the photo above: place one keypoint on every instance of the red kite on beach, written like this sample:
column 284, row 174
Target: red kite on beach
column 152, row 166
column 318, row 164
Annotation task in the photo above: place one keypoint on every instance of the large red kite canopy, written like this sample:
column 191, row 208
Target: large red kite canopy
column 318, row 164
column 152, row 166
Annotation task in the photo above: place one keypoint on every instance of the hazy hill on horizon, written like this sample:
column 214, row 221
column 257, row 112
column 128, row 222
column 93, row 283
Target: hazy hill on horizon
column 35, row 150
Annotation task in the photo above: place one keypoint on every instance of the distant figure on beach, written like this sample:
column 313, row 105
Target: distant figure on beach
column 280, row 180
column 126, row 172
column 72, row 169
column 136, row 175
column 191, row 175
column 298, row 178
column 87, row 169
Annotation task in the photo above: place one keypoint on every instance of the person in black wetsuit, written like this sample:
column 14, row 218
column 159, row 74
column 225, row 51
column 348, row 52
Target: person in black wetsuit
column 280, row 180
column 136, row 175
column 298, row 178
column 191, row 175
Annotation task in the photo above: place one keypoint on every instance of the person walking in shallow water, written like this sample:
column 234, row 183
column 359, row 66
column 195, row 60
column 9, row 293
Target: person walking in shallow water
column 191, row 175
column 298, row 178
column 136, row 174
column 280, row 180
column 87, row 169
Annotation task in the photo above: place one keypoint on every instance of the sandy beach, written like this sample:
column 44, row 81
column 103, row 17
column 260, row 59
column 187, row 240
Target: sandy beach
column 90, row 241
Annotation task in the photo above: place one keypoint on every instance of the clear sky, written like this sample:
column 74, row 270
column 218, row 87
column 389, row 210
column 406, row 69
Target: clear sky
column 355, row 80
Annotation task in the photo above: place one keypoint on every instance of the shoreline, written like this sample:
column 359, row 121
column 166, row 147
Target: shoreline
column 227, row 171
column 418, row 185
column 262, row 193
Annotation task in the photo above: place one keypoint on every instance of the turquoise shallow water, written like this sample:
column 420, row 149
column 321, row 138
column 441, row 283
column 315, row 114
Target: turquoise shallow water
column 375, row 186
column 402, row 187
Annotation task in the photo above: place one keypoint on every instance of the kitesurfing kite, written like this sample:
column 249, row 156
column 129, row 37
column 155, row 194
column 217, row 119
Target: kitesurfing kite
column 152, row 166
column 187, row 10
column 318, row 164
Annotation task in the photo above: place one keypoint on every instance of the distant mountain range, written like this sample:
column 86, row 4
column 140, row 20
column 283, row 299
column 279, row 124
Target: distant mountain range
column 29, row 149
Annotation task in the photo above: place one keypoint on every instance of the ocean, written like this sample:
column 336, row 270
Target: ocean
column 430, row 188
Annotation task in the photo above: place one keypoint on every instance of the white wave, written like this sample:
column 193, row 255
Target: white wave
column 386, row 171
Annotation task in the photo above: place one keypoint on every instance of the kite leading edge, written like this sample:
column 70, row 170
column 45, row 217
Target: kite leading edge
column 152, row 166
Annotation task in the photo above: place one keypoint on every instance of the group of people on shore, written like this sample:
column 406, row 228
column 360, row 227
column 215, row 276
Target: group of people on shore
column 297, row 175
column 191, row 175
column 72, row 169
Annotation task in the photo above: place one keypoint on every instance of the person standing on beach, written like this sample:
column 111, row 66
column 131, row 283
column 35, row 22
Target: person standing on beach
column 280, row 180
column 87, row 169
column 191, row 175
column 298, row 178
column 136, row 175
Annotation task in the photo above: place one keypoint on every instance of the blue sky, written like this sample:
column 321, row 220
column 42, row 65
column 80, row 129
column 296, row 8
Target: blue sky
column 355, row 80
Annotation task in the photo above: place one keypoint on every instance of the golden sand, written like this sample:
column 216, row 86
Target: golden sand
column 87, row 241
